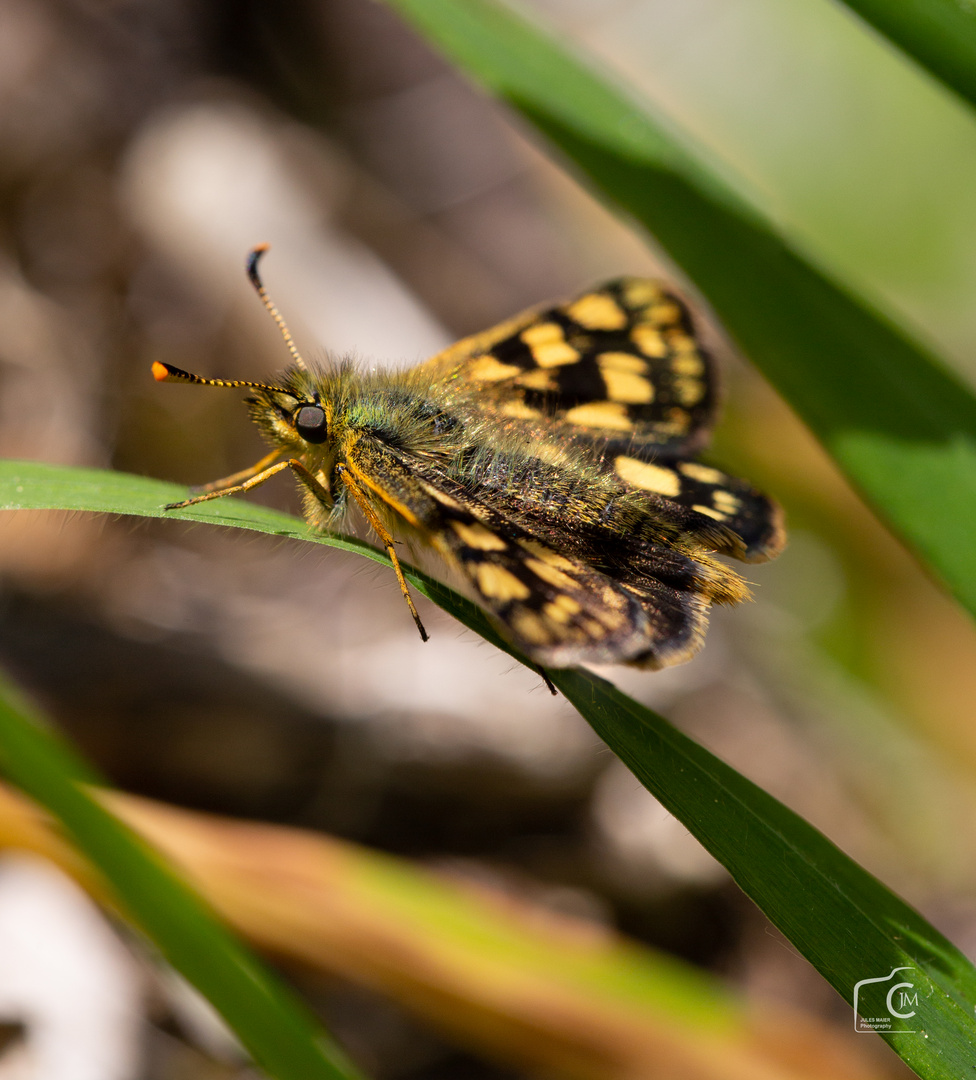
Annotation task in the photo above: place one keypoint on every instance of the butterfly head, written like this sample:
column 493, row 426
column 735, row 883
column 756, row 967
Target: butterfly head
column 292, row 414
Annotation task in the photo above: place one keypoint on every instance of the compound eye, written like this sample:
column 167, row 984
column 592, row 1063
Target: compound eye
column 310, row 423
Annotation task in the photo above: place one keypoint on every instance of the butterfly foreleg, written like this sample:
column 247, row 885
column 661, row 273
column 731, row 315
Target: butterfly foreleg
column 355, row 486
column 306, row 478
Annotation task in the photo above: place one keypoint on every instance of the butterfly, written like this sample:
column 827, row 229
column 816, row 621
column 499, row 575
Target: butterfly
column 550, row 460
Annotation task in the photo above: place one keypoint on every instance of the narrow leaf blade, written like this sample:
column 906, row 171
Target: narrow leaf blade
column 940, row 35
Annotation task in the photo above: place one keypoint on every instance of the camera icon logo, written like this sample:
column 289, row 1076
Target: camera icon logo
column 886, row 1003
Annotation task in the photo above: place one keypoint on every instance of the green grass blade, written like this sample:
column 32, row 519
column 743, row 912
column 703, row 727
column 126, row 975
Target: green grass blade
column 843, row 920
column 901, row 427
column 274, row 1027
column 847, row 924
column 33, row 485
column 938, row 34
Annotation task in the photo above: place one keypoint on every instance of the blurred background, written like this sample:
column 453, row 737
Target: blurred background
column 145, row 147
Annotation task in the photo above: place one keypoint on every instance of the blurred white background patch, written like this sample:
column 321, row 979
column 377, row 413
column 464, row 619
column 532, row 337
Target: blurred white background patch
column 67, row 978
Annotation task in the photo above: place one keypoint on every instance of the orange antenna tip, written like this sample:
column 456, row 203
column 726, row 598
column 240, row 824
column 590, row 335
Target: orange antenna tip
column 168, row 373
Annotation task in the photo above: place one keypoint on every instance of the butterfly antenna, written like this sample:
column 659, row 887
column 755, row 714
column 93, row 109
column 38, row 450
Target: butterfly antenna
column 168, row 373
column 252, row 273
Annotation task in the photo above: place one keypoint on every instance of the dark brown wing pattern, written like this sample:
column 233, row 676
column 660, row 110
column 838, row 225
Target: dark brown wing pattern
column 563, row 605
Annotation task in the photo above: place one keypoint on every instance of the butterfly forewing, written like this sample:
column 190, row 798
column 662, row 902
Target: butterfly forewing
column 619, row 368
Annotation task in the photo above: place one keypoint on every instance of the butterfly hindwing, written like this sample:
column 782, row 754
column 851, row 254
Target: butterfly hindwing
column 582, row 594
column 560, row 609
column 699, row 497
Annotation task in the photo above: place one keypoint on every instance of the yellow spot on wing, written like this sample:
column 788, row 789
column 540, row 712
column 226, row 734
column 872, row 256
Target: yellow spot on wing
column 649, row 340
column 597, row 311
column 726, row 501
column 518, row 410
column 702, row 473
column 477, row 536
column 497, row 583
column 689, row 391
column 547, row 555
column 612, row 599
column 688, row 363
column 626, row 363
column 544, row 333
column 562, row 609
column 443, row 498
column 549, row 346
column 666, row 311
column 550, row 574
column 625, row 378
column 558, row 354
column 679, row 420
column 639, row 292
column 539, row 379
column 529, row 626
column 600, row 414
column 490, row 369
column 709, row 512
column 680, row 342
column 557, row 614
column 649, row 477
column 612, row 620
column 631, row 389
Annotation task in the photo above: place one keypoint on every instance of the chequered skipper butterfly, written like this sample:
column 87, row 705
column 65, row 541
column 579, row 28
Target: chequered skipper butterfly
column 550, row 459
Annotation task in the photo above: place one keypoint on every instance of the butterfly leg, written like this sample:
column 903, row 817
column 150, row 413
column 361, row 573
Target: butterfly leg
column 545, row 678
column 344, row 474
column 238, row 477
column 254, row 481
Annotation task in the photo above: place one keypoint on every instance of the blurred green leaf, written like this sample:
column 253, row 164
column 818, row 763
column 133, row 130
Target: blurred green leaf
column 938, row 34
column 549, row 990
column 900, row 425
column 274, row 1027
column 841, row 918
